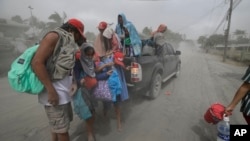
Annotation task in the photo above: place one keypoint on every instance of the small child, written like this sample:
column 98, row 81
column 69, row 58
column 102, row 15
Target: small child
column 127, row 43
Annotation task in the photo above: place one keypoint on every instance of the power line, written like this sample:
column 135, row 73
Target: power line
column 235, row 4
column 201, row 17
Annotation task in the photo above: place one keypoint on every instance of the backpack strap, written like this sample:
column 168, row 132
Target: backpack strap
column 65, row 41
column 61, row 41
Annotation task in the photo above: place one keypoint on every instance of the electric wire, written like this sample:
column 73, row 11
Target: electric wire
column 235, row 4
column 203, row 16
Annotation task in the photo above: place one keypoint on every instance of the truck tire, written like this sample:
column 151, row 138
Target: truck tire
column 178, row 69
column 155, row 86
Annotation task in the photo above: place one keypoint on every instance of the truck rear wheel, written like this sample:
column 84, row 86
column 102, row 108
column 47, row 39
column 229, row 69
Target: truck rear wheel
column 155, row 86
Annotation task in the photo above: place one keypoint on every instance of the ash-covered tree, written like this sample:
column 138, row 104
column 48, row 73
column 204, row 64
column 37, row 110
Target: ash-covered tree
column 241, row 37
column 56, row 20
column 17, row 19
column 147, row 32
column 90, row 36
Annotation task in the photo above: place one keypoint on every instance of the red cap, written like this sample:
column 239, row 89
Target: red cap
column 102, row 25
column 118, row 58
column 78, row 25
column 78, row 54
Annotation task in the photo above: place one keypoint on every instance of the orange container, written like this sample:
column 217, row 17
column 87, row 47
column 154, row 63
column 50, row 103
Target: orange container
column 214, row 113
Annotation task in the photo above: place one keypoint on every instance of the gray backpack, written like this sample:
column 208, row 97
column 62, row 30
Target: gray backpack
column 62, row 61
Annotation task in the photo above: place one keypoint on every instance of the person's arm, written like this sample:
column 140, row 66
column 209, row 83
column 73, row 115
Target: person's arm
column 73, row 87
column 100, row 68
column 103, row 75
column 127, row 68
column 77, row 72
column 38, row 64
column 241, row 92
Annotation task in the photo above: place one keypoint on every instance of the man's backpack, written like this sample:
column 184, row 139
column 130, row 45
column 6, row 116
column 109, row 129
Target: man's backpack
column 21, row 76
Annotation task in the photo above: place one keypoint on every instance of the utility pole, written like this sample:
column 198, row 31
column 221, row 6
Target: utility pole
column 227, row 30
column 31, row 19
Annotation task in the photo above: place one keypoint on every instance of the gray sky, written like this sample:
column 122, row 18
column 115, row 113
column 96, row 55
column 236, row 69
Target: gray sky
column 190, row 17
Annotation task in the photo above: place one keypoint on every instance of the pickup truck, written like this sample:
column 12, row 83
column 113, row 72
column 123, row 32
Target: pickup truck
column 150, row 70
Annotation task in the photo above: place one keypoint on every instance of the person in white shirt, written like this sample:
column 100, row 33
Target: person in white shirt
column 55, row 97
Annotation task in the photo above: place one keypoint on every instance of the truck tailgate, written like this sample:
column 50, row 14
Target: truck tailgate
column 147, row 64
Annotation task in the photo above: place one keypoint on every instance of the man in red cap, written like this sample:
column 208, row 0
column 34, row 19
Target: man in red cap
column 54, row 68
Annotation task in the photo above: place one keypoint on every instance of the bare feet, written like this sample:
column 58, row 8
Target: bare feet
column 119, row 127
column 91, row 138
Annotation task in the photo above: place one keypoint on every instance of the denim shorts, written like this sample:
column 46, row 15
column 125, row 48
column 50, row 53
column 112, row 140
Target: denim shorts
column 59, row 117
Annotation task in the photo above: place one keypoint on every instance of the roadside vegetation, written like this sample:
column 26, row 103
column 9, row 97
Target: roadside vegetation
column 238, row 48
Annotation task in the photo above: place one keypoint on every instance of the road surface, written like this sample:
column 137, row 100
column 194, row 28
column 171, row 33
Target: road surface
column 175, row 115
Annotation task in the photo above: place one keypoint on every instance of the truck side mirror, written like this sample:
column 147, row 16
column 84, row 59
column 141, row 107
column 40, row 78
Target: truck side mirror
column 177, row 52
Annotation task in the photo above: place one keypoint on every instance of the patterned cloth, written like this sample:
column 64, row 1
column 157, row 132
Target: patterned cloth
column 245, row 103
column 102, row 91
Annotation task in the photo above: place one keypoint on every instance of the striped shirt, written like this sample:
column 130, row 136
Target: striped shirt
column 245, row 102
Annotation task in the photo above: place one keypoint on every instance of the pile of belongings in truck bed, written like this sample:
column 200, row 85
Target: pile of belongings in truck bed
column 148, row 47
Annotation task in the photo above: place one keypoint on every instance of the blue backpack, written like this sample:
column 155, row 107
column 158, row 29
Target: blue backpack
column 21, row 76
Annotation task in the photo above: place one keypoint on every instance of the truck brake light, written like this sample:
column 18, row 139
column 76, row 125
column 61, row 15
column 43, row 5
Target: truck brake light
column 136, row 75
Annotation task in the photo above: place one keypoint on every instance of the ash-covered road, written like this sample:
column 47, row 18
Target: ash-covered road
column 175, row 115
